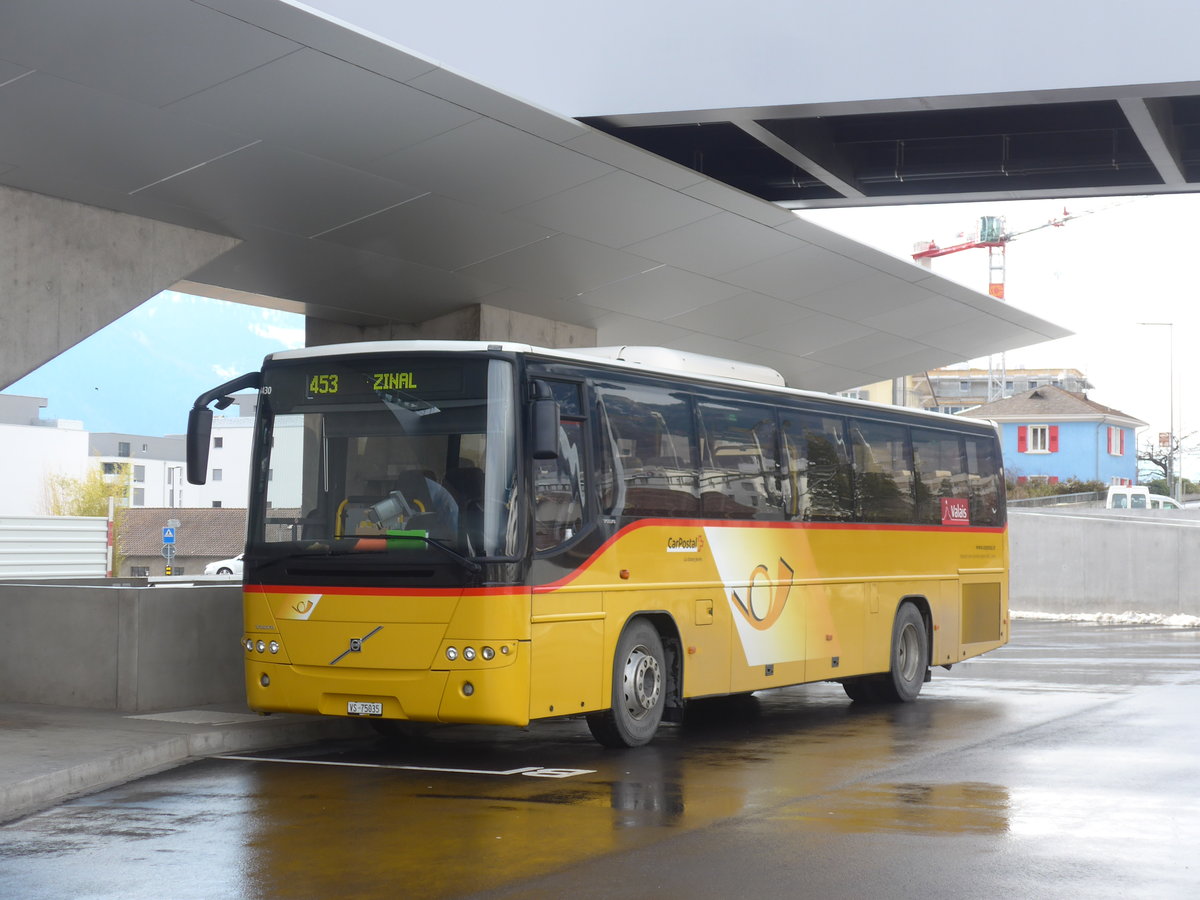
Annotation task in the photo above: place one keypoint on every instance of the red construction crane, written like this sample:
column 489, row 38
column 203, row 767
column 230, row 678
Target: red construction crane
column 993, row 235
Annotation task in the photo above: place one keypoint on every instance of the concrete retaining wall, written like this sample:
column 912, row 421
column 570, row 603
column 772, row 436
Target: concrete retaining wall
column 1105, row 561
column 133, row 649
column 139, row 649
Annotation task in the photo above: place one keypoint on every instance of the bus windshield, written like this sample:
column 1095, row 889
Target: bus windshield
column 401, row 457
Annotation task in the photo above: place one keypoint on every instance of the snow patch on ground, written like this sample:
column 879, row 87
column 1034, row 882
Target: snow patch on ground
column 1129, row 617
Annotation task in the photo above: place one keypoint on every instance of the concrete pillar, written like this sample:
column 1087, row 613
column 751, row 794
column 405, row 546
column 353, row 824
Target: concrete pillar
column 67, row 270
column 478, row 322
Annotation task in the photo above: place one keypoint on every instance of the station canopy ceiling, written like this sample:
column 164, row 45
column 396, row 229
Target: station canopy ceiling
column 367, row 183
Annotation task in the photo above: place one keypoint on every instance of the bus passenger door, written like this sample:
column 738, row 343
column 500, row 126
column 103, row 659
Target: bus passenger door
column 567, row 666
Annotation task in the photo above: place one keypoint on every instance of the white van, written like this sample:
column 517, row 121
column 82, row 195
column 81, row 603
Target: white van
column 1137, row 497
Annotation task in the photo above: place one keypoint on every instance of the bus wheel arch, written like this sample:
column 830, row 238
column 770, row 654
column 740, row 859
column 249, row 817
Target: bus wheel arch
column 646, row 682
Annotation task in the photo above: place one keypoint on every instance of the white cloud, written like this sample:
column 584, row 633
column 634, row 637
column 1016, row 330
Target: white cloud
column 226, row 372
column 291, row 338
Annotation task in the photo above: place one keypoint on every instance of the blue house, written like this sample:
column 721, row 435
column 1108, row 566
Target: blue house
column 1052, row 434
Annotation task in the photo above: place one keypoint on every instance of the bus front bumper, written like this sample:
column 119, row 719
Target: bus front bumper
column 478, row 695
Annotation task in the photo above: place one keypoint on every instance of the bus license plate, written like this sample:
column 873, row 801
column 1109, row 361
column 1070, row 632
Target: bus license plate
column 360, row 708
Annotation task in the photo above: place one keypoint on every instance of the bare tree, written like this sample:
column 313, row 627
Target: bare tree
column 1162, row 462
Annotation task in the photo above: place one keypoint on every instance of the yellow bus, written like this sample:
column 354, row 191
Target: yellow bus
column 497, row 533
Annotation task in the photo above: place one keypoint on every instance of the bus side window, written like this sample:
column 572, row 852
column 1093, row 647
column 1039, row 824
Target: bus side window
column 817, row 479
column 883, row 478
column 739, row 475
column 648, row 451
column 940, row 472
column 985, row 482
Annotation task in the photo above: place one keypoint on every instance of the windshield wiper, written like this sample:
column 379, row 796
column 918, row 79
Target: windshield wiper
column 326, row 550
column 469, row 564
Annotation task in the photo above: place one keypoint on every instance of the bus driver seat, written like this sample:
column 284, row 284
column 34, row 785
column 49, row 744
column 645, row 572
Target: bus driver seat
column 466, row 486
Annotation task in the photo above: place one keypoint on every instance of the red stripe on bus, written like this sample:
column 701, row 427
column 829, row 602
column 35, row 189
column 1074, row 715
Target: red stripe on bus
column 796, row 526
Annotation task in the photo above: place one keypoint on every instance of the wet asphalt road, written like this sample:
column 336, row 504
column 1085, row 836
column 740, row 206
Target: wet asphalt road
column 1064, row 765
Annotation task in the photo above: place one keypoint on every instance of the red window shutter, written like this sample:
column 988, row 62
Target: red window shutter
column 1023, row 439
column 1053, row 438
column 1110, row 440
column 1121, row 432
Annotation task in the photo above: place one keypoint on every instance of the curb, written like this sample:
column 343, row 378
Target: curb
column 142, row 758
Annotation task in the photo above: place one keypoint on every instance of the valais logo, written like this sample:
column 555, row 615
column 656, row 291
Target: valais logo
column 955, row 511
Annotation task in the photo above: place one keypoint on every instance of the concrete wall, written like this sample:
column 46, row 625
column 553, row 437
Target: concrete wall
column 69, row 269
column 478, row 322
column 1105, row 561
column 140, row 649
column 133, row 649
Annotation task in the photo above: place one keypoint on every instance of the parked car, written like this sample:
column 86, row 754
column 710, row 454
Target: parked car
column 1137, row 497
column 1158, row 502
column 225, row 566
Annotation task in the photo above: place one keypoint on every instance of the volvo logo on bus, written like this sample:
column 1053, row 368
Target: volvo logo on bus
column 355, row 646
column 685, row 544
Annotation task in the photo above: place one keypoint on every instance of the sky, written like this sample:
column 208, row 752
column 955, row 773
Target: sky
column 1121, row 262
column 140, row 374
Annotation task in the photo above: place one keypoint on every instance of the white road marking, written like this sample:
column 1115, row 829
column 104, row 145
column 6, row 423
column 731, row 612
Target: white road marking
column 531, row 771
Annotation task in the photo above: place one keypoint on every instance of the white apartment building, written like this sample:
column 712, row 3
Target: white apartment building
column 33, row 450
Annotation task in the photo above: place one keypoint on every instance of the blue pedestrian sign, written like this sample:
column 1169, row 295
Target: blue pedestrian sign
column 168, row 535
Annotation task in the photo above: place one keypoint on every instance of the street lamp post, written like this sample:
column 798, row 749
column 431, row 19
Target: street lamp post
column 1172, row 481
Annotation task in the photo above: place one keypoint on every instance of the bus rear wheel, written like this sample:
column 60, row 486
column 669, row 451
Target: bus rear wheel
column 909, row 661
column 639, row 689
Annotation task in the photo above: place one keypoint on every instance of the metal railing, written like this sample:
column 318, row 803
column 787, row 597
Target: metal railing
column 1060, row 499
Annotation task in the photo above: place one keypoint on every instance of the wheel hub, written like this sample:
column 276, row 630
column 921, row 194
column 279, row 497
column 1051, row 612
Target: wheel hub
column 643, row 682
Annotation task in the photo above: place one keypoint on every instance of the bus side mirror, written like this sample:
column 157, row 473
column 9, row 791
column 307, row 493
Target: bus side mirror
column 545, row 422
column 200, row 422
column 198, row 434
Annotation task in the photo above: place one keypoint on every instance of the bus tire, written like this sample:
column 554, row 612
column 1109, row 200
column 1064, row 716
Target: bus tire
column 862, row 690
column 639, row 689
column 909, row 659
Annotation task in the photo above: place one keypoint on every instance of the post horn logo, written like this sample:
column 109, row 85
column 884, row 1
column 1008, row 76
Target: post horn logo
column 763, row 606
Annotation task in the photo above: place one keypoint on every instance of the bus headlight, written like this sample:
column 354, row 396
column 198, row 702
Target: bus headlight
column 248, row 643
column 273, row 646
column 468, row 653
column 487, row 653
column 451, row 653
column 261, row 646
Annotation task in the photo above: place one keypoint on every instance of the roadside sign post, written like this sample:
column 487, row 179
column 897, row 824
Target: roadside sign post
column 168, row 549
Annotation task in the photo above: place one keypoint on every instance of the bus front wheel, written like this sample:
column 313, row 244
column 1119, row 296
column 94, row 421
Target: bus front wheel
column 639, row 689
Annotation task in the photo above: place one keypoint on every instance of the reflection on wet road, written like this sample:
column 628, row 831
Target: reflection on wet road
column 1062, row 765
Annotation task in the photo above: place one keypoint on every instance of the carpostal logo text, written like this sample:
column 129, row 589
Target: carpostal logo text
column 685, row 544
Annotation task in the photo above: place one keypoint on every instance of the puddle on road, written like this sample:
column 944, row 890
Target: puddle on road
column 908, row 808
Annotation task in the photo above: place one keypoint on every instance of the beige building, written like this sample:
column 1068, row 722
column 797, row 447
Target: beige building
column 203, row 535
column 953, row 390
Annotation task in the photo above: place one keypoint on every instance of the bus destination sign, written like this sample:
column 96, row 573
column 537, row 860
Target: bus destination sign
column 350, row 384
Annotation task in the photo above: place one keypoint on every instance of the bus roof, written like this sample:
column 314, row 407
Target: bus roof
column 656, row 360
